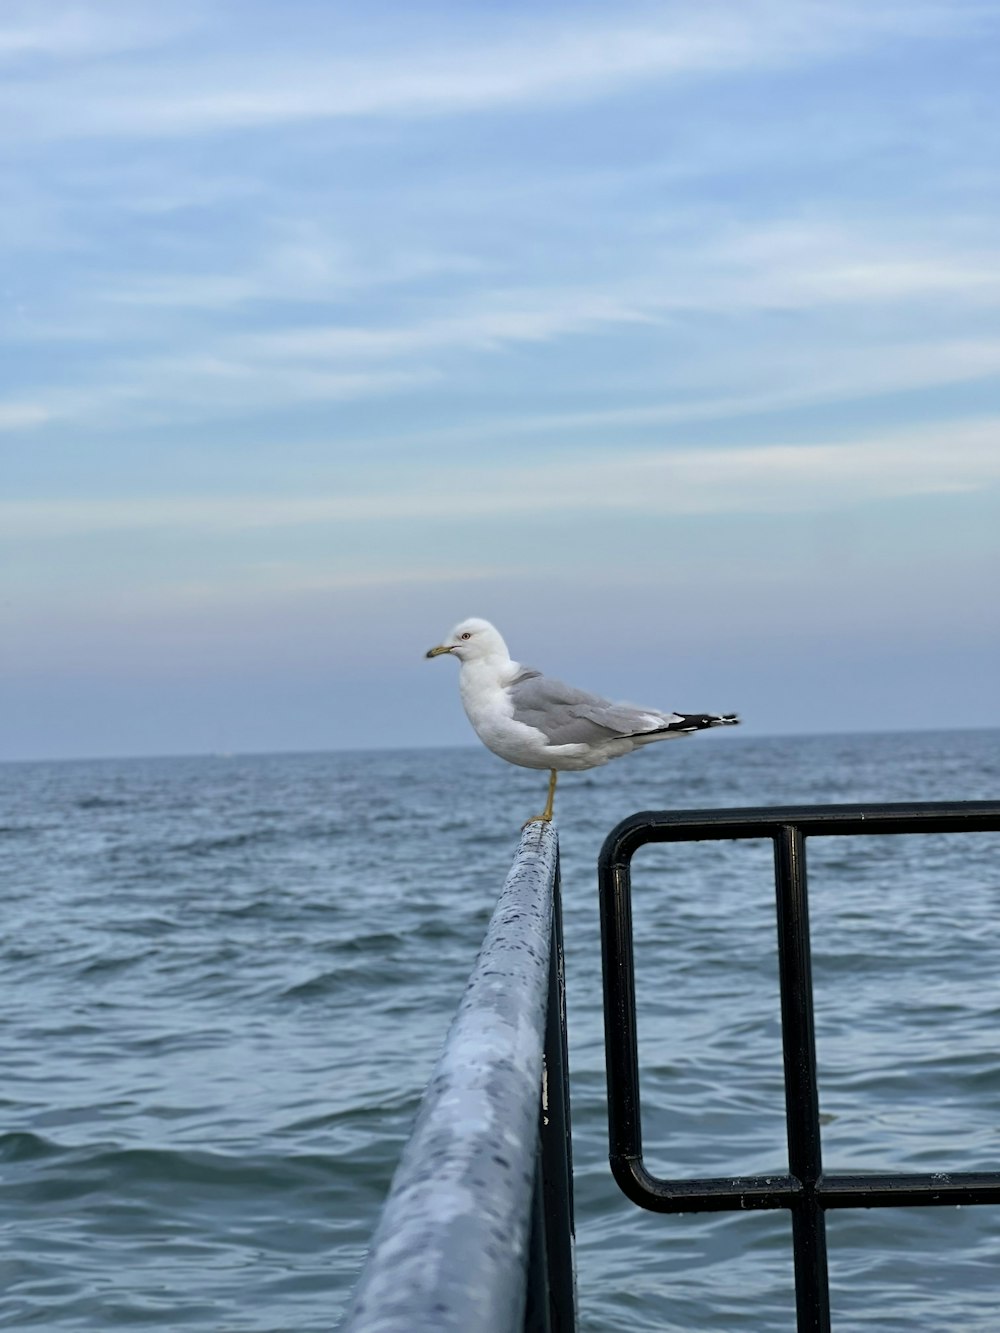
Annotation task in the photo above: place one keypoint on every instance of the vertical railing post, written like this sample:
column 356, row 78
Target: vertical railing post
column 812, row 1291
column 556, row 1137
column 551, row 1304
column 621, row 1040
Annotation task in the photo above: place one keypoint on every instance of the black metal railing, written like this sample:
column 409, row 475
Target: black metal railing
column 806, row 1190
column 476, row 1235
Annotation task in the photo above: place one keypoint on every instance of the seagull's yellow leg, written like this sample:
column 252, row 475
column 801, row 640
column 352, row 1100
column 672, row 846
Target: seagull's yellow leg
column 546, row 816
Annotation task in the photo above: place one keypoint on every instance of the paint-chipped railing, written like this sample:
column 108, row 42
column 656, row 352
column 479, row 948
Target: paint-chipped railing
column 476, row 1235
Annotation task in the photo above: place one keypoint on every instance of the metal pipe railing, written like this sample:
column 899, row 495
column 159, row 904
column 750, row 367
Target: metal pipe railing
column 450, row 1252
column 806, row 1190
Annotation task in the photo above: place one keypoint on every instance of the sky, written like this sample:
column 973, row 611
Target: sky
column 663, row 335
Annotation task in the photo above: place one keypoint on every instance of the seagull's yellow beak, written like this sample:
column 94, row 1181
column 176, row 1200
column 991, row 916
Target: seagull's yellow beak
column 436, row 652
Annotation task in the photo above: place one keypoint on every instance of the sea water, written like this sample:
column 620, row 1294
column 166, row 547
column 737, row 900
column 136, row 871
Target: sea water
column 226, row 980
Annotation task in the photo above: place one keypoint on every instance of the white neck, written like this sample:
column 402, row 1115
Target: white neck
column 496, row 664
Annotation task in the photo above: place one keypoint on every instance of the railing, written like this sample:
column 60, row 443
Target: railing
column 476, row 1235
column 806, row 1190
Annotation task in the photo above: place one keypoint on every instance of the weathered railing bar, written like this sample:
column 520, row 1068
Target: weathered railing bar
column 450, row 1250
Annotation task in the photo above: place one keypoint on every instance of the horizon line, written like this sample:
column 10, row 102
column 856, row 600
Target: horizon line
column 227, row 755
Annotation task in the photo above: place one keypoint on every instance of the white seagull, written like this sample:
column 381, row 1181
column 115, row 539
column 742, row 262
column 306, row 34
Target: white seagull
column 537, row 722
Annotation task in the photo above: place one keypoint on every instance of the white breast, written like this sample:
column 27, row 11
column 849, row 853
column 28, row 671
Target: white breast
column 491, row 712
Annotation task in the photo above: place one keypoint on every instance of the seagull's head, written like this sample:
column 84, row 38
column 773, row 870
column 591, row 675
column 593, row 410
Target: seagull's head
column 472, row 640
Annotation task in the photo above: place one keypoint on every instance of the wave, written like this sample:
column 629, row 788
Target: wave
column 23, row 1146
column 114, row 1168
column 226, row 842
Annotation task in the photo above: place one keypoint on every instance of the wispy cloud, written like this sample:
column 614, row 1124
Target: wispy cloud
column 176, row 390
column 802, row 264
column 778, row 478
column 21, row 415
column 786, row 265
column 500, row 65
column 259, row 586
column 781, row 378
column 708, row 372
column 59, row 32
column 493, row 322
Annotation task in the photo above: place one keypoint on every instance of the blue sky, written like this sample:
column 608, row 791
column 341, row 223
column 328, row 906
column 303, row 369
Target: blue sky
column 664, row 335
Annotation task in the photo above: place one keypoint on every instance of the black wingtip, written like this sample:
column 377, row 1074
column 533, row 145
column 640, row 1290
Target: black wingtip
column 700, row 721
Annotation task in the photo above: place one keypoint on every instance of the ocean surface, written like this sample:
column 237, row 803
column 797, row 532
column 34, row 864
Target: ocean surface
column 226, row 981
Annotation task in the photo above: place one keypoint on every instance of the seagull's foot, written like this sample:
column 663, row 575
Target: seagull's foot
column 536, row 819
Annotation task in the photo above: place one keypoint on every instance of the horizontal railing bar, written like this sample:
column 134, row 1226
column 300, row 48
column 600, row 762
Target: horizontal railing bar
column 450, row 1251
column 908, row 1191
column 811, row 820
column 736, row 1193
column 710, row 1195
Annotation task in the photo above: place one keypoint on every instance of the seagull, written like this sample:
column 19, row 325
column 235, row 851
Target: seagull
column 537, row 722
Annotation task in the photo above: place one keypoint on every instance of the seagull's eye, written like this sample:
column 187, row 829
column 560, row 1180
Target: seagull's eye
column 466, row 635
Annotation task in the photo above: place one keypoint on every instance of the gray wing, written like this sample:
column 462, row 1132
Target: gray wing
column 568, row 716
